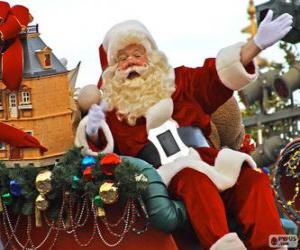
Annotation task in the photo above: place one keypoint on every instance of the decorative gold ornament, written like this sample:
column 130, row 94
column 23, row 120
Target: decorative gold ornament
column 108, row 192
column 44, row 186
column 41, row 202
column 43, row 182
column 100, row 212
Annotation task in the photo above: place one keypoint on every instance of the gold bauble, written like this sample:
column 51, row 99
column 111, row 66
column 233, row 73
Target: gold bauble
column 100, row 212
column 43, row 182
column 41, row 203
column 108, row 192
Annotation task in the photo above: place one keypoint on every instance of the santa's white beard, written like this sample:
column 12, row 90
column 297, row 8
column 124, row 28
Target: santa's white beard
column 131, row 98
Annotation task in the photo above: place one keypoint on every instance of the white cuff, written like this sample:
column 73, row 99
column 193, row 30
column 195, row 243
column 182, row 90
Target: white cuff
column 223, row 174
column 230, row 69
column 81, row 139
column 229, row 241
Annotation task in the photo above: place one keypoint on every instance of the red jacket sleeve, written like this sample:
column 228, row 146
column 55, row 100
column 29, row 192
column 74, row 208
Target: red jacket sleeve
column 209, row 90
column 204, row 84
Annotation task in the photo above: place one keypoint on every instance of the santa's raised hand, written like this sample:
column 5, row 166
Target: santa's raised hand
column 96, row 116
column 271, row 31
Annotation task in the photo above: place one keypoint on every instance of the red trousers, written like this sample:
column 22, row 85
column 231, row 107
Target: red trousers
column 250, row 200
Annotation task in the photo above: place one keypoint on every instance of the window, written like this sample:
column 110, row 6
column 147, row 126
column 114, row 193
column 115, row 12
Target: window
column 45, row 58
column 29, row 132
column 48, row 60
column 25, row 97
column 12, row 99
column 2, row 146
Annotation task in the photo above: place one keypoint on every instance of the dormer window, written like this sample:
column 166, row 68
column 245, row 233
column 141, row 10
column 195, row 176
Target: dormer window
column 45, row 57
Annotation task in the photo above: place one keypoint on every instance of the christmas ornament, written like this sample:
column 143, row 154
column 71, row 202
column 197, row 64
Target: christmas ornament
column 87, row 161
column 266, row 170
column 109, row 162
column 44, row 186
column 87, row 174
column 7, row 199
column 75, row 182
column 97, row 201
column 41, row 202
column 100, row 212
column 43, row 182
column 247, row 145
column 15, row 188
column 108, row 192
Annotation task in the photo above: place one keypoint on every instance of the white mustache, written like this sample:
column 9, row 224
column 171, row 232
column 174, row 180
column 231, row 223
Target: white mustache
column 123, row 74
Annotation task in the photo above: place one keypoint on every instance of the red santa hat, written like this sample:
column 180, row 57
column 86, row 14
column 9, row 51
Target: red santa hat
column 126, row 33
column 120, row 36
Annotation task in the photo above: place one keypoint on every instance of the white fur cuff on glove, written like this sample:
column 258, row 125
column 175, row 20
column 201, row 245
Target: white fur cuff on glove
column 230, row 70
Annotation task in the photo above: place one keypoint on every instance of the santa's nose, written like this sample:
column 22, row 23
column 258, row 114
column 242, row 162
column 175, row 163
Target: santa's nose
column 132, row 62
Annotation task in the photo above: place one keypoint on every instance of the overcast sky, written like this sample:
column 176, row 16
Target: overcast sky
column 187, row 31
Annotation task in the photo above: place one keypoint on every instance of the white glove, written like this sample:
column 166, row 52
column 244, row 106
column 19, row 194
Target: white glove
column 96, row 116
column 269, row 32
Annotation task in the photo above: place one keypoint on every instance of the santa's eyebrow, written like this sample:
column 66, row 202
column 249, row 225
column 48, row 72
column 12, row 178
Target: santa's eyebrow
column 140, row 50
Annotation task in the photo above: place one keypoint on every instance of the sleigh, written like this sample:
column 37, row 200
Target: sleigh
column 160, row 222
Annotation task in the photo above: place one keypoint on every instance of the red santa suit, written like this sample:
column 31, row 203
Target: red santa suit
column 199, row 92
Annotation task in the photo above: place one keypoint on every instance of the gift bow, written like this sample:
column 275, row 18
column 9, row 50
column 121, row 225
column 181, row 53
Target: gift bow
column 13, row 20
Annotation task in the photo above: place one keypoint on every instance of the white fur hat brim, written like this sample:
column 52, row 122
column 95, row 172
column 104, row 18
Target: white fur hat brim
column 124, row 34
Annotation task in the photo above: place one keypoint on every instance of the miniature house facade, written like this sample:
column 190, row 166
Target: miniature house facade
column 40, row 107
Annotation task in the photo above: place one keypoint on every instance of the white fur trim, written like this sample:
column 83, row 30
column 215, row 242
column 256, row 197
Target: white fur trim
column 230, row 69
column 224, row 174
column 229, row 241
column 81, row 138
column 159, row 113
column 126, row 33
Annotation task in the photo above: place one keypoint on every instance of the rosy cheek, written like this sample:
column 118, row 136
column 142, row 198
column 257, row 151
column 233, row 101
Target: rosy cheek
column 121, row 65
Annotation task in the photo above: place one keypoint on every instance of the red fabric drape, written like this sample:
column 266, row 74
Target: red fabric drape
column 18, row 138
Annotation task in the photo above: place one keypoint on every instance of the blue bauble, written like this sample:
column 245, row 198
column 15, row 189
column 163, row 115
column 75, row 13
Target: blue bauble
column 15, row 188
column 266, row 170
column 87, row 161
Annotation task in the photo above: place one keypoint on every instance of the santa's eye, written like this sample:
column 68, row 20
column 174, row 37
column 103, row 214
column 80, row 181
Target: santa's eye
column 137, row 55
column 122, row 58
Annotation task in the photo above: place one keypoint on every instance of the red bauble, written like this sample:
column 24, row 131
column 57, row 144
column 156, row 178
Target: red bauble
column 247, row 146
column 87, row 174
column 109, row 162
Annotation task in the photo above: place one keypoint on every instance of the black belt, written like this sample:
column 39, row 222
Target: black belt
column 190, row 136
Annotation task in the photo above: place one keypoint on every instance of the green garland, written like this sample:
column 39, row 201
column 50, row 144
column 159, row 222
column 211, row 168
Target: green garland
column 67, row 176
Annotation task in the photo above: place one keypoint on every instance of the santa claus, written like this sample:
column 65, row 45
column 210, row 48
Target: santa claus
column 145, row 94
